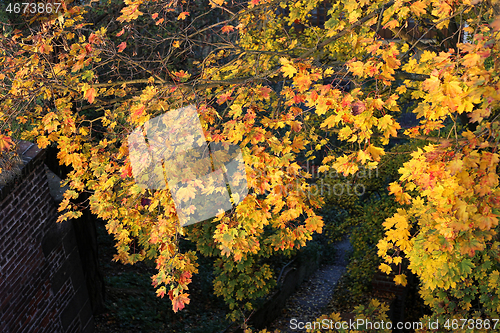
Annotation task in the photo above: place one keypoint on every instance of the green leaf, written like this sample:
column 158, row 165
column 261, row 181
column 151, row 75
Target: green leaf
column 466, row 266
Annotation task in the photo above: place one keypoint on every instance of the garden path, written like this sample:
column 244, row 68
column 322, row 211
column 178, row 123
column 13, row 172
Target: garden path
column 314, row 294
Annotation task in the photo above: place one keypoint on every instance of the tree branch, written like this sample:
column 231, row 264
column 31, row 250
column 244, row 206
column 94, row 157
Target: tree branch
column 345, row 31
column 410, row 76
column 401, row 33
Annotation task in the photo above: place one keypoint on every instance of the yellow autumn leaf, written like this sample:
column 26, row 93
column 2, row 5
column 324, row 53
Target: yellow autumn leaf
column 363, row 157
column 331, row 122
column 287, row 67
column 391, row 24
column 431, row 84
column 418, row 8
column 452, row 88
column 395, row 188
column 427, row 56
column 494, row 279
column 216, row 3
column 471, row 59
column 401, row 89
column 375, row 152
column 357, row 68
column 400, row 279
column 350, row 5
column 385, row 268
column 344, row 133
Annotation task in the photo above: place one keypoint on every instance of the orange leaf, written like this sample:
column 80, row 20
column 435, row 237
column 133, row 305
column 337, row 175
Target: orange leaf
column 302, row 81
column 183, row 15
column 296, row 126
column 356, row 68
column 432, row 83
column 5, row 142
column 42, row 142
column 496, row 24
column 120, row 33
column 122, row 46
column 90, row 95
column 227, row 29
column 154, row 16
column 418, row 8
column 137, row 110
column 224, row 97
column 391, row 24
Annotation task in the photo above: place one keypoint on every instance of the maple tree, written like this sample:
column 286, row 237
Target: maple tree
column 274, row 92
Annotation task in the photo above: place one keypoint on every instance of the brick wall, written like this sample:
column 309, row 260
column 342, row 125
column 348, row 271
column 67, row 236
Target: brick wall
column 384, row 284
column 42, row 286
column 384, row 287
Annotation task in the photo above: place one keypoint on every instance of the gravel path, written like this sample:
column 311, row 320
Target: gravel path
column 315, row 293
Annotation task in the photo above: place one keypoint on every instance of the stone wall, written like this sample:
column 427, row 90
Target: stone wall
column 42, row 285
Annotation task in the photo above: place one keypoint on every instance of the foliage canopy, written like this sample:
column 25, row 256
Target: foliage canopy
column 265, row 75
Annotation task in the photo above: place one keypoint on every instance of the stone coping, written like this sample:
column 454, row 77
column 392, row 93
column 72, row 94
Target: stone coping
column 32, row 156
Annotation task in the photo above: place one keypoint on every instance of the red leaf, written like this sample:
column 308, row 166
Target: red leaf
column 120, row 33
column 264, row 92
column 154, row 16
column 179, row 302
column 224, row 97
column 122, row 46
column 181, row 75
column 126, row 171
